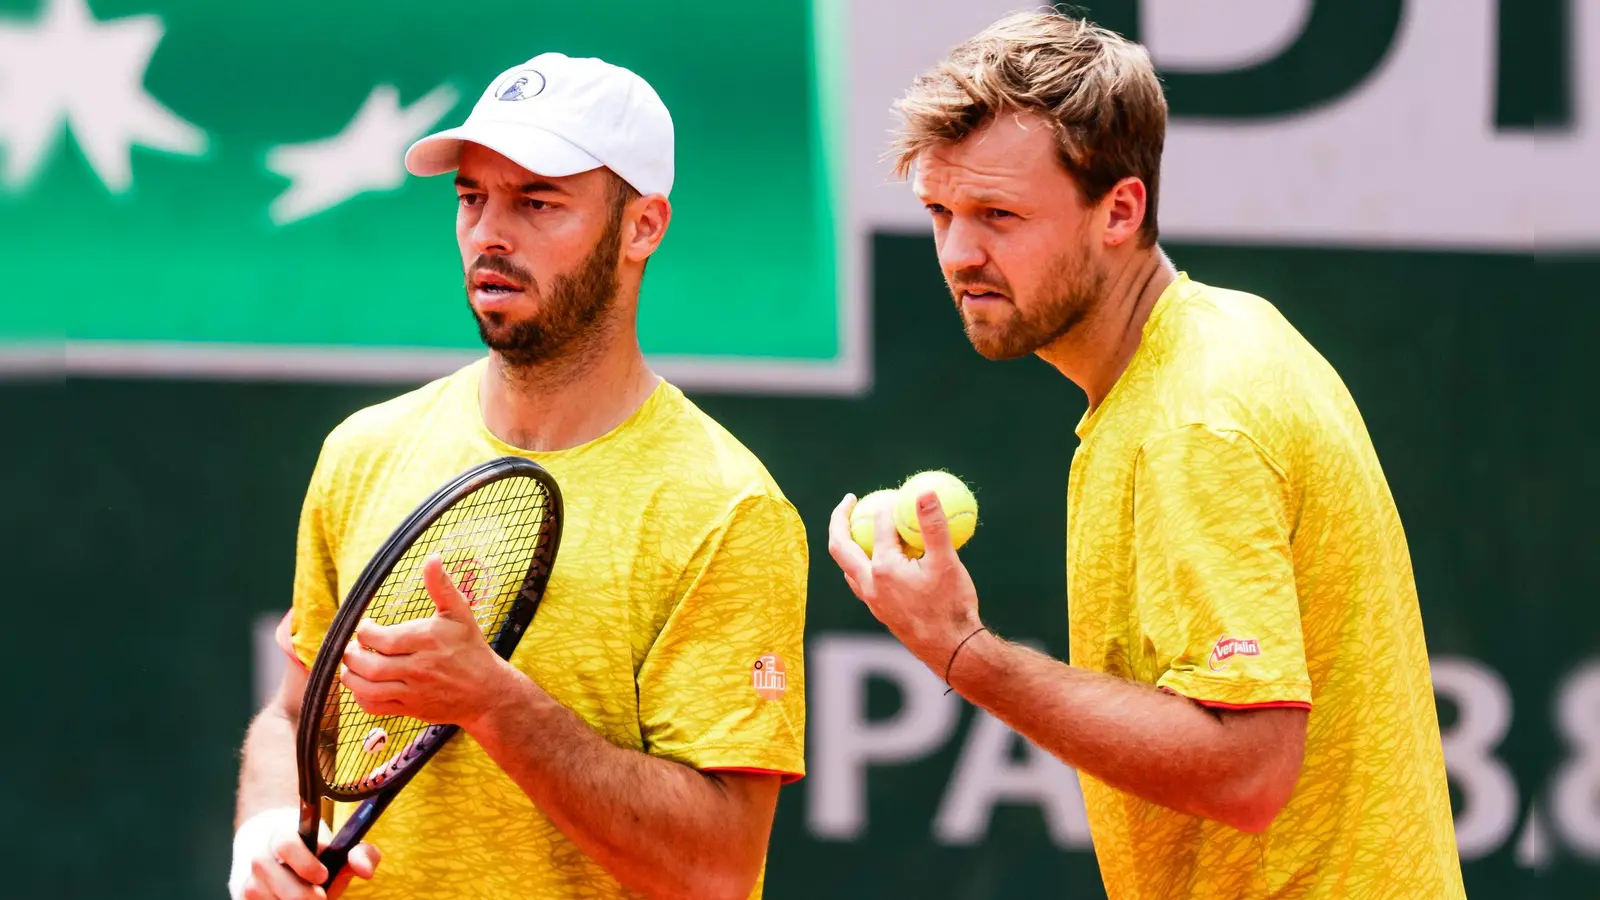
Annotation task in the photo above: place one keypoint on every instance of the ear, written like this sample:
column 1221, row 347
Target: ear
column 649, row 216
column 1124, row 207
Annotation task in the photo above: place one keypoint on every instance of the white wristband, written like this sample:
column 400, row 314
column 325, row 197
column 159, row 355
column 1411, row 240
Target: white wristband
column 254, row 838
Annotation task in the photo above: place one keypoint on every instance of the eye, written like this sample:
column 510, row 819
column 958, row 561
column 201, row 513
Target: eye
column 1001, row 214
column 469, row 200
column 936, row 209
column 536, row 205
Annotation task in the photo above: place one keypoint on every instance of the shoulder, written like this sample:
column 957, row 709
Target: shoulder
column 367, row 436
column 710, row 472
column 1218, row 337
column 401, row 414
column 708, row 455
column 1231, row 361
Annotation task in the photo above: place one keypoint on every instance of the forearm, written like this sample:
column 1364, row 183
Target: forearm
column 1161, row 747
column 657, row 826
column 267, row 776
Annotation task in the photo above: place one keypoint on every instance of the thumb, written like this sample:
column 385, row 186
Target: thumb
column 446, row 598
column 362, row 862
column 936, row 546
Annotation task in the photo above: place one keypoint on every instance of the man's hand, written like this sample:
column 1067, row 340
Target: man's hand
column 439, row 669
column 1235, row 767
column 930, row 604
column 285, row 869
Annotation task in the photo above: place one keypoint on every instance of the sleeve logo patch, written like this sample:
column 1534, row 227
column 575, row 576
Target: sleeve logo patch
column 1227, row 648
column 769, row 676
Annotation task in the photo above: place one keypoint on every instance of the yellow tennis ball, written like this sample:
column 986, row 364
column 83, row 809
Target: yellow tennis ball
column 864, row 515
column 955, row 498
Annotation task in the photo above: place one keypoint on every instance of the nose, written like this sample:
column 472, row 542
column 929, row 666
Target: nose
column 961, row 247
column 490, row 235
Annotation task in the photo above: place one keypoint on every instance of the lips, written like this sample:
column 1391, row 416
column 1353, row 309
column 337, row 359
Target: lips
column 982, row 298
column 980, row 292
column 494, row 283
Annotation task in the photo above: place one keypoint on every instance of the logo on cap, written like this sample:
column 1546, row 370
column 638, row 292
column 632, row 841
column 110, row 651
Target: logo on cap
column 520, row 85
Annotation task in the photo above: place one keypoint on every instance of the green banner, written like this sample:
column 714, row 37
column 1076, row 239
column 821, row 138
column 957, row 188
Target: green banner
column 220, row 188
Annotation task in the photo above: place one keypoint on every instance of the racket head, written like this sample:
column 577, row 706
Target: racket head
column 497, row 527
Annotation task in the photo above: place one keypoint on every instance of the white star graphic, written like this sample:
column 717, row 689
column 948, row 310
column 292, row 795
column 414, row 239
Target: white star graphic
column 368, row 155
column 69, row 70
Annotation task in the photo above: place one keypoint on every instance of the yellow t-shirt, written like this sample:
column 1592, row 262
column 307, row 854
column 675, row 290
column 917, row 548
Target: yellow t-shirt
column 681, row 566
column 1231, row 538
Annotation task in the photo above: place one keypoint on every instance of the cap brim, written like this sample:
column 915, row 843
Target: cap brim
column 539, row 151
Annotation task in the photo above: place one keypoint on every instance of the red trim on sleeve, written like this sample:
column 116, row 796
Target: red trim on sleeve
column 286, row 643
column 1270, row 704
column 1218, row 704
column 788, row 777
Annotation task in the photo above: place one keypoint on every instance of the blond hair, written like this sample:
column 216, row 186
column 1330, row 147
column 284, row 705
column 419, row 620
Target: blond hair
column 1096, row 88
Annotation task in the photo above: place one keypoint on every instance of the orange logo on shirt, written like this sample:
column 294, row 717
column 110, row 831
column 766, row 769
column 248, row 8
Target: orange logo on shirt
column 769, row 676
column 1227, row 648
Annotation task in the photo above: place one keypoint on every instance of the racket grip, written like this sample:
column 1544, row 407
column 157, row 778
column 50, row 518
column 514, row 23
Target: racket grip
column 355, row 828
column 334, row 858
column 310, row 825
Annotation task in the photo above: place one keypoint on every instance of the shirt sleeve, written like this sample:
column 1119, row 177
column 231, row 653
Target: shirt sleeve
column 1215, row 586
column 723, row 684
column 316, row 576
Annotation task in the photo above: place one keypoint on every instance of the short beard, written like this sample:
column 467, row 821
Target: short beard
column 1074, row 286
column 571, row 314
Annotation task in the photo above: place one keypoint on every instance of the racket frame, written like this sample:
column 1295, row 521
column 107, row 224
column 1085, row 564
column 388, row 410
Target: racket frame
column 313, row 787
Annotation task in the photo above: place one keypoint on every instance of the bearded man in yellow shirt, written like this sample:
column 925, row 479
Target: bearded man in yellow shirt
column 1248, row 700
column 634, row 743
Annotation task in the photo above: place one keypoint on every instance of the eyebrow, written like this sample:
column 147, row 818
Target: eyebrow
column 987, row 198
column 532, row 187
column 976, row 197
column 984, row 199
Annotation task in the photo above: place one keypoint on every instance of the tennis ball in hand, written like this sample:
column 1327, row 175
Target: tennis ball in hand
column 865, row 514
column 960, row 508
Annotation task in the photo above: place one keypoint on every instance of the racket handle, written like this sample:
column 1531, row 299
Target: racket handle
column 355, row 828
column 310, row 825
column 360, row 822
column 334, row 859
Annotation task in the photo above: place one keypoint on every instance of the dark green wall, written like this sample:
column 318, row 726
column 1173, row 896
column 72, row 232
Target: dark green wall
column 182, row 500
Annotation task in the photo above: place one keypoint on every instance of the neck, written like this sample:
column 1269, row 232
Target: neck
column 1095, row 352
column 565, row 402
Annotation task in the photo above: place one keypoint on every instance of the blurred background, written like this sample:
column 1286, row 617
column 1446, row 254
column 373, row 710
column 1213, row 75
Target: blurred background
column 206, row 202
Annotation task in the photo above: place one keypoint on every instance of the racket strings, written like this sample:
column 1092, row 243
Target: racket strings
column 487, row 541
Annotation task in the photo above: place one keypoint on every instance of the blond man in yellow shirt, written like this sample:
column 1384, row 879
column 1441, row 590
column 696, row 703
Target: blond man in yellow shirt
column 1247, row 700
column 634, row 743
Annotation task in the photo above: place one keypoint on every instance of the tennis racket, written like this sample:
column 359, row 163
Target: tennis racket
column 497, row 527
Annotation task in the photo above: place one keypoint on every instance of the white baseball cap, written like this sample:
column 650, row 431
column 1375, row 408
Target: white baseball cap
column 557, row 115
